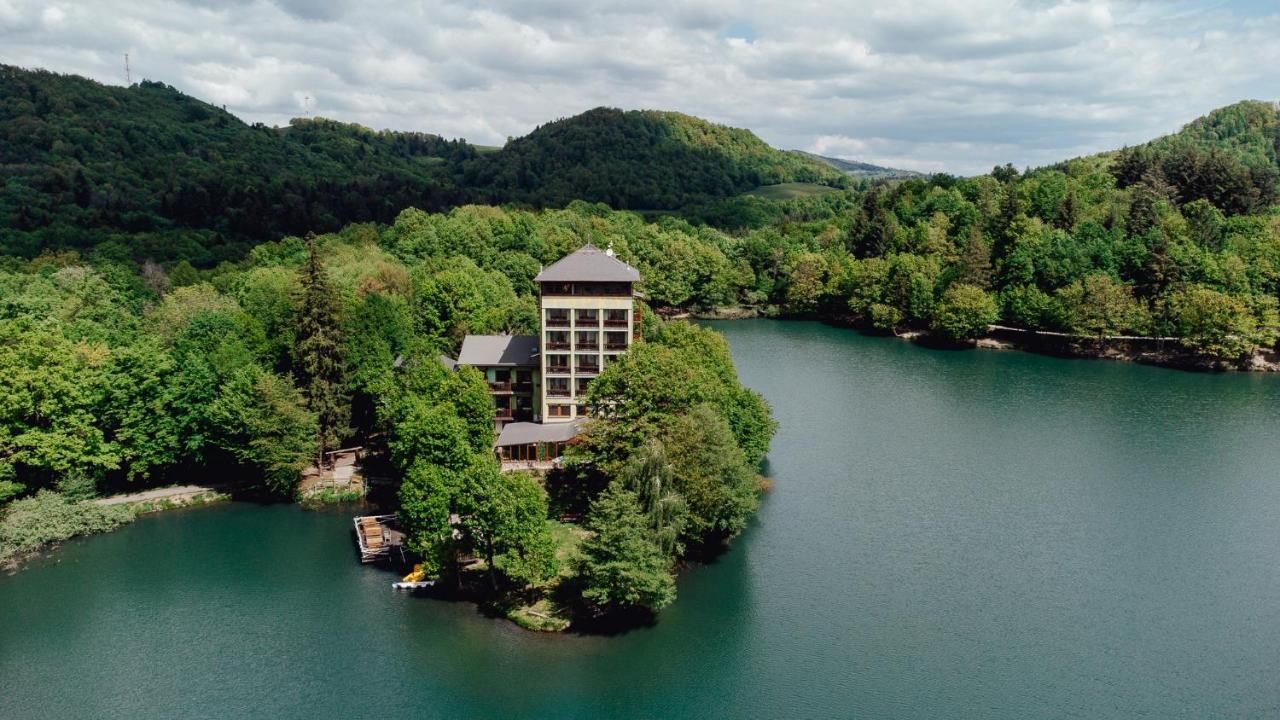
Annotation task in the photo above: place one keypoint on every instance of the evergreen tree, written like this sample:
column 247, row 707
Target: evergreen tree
column 622, row 568
column 321, row 370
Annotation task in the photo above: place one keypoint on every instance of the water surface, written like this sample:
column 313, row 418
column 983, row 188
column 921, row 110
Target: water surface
column 950, row 534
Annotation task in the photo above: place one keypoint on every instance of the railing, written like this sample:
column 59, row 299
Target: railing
column 502, row 414
column 587, row 369
column 523, row 387
column 558, row 322
column 615, row 346
column 557, row 344
column 500, row 385
column 615, row 323
column 557, row 392
column 558, row 369
column 588, row 346
column 593, row 321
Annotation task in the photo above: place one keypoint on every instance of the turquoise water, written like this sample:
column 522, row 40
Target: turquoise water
column 950, row 534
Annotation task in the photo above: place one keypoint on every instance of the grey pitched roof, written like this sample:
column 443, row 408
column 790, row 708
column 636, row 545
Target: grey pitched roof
column 524, row 433
column 491, row 350
column 448, row 362
column 589, row 264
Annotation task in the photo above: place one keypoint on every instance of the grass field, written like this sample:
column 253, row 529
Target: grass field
column 788, row 191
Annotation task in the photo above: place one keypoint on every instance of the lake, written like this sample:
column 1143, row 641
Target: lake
column 950, row 534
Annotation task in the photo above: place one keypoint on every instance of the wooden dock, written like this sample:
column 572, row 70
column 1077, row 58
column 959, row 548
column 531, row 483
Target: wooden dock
column 378, row 537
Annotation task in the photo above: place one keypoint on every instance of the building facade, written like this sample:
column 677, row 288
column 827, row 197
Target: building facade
column 586, row 307
column 539, row 383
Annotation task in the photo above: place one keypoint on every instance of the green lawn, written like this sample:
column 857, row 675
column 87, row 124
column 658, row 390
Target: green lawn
column 788, row 191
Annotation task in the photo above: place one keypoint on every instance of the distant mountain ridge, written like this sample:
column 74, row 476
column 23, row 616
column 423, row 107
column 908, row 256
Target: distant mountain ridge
column 856, row 169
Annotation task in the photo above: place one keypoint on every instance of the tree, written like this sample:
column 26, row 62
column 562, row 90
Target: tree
column 505, row 516
column 975, row 261
column 428, row 498
column 649, row 476
column 1099, row 305
column 621, row 567
column 321, row 370
column 264, row 425
column 49, row 393
column 964, row 312
column 711, row 473
column 1214, row 323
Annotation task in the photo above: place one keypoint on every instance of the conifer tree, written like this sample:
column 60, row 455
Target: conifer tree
column 320, row 367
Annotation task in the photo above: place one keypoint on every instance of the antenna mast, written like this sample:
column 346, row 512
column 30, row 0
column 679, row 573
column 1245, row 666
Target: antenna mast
column 128, row 76
column 306, row 106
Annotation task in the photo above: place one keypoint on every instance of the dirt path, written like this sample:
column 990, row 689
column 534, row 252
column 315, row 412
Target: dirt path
column 182, row 492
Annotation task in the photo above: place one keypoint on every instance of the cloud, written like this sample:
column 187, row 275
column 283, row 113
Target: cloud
column 927, row 85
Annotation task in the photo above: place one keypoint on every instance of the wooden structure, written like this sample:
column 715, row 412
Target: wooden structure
column 378, row 537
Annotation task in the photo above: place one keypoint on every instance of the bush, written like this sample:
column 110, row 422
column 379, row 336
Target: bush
column 48, row 517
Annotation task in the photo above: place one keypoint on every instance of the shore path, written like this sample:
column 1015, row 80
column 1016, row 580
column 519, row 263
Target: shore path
column 178, row 491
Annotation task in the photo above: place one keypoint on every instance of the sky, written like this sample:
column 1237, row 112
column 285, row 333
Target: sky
column 927, row 85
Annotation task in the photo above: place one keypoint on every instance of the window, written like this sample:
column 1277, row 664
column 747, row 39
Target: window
column 615, row 318
column 587, row 340
column 557, row 340
column 558, row 411
column 581, row 385
column 615, row 341
column 558, row 387
column 582, row 411
column 557, row 363
column 557, row 317
column 587, row 317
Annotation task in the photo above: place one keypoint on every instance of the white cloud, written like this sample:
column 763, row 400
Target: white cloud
column 928, row 85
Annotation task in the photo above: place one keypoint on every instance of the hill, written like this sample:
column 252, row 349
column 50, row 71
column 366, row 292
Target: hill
column 1228, row 157
column 642, row 159
column 83, row 161
column 862, row 170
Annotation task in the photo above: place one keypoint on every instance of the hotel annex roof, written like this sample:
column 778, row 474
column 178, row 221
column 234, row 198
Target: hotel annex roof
column 525, row 433
column 589, row 264
column 499, row 350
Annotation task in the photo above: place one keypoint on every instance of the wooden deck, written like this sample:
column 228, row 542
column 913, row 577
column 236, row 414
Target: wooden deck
column 378, row 537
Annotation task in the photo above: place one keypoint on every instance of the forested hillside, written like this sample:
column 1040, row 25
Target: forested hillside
column 172, row 177
column 640, row 159
column 167, row 177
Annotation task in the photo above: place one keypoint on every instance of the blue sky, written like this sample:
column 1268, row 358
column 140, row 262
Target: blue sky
column 928, row 85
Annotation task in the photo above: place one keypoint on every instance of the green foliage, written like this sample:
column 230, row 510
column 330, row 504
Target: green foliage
column 621, row 566
column 320, row 365
column 1219, row 325
column 263, row 423
column 504, row 515
column 711, row 474
column 964, row 312
column 47, row 517
column 639, row 159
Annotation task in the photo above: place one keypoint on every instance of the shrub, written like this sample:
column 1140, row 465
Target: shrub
column 48, row 517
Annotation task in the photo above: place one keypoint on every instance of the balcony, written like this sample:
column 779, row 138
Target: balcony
column 587, row 369
column 557, row 344
column 616, row 345
column 557, row 392
column 588, row 346
column 557, row 369
column 524, row 387
column 500, row 386
column 558, row 322
column 502, row 414
column 616, row 324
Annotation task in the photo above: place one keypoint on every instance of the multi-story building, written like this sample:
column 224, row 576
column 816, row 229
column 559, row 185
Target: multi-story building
column 539, row 384
column 587, row 321
column 510, row 366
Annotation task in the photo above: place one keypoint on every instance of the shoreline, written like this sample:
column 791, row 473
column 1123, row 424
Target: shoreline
column 1160, row 352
